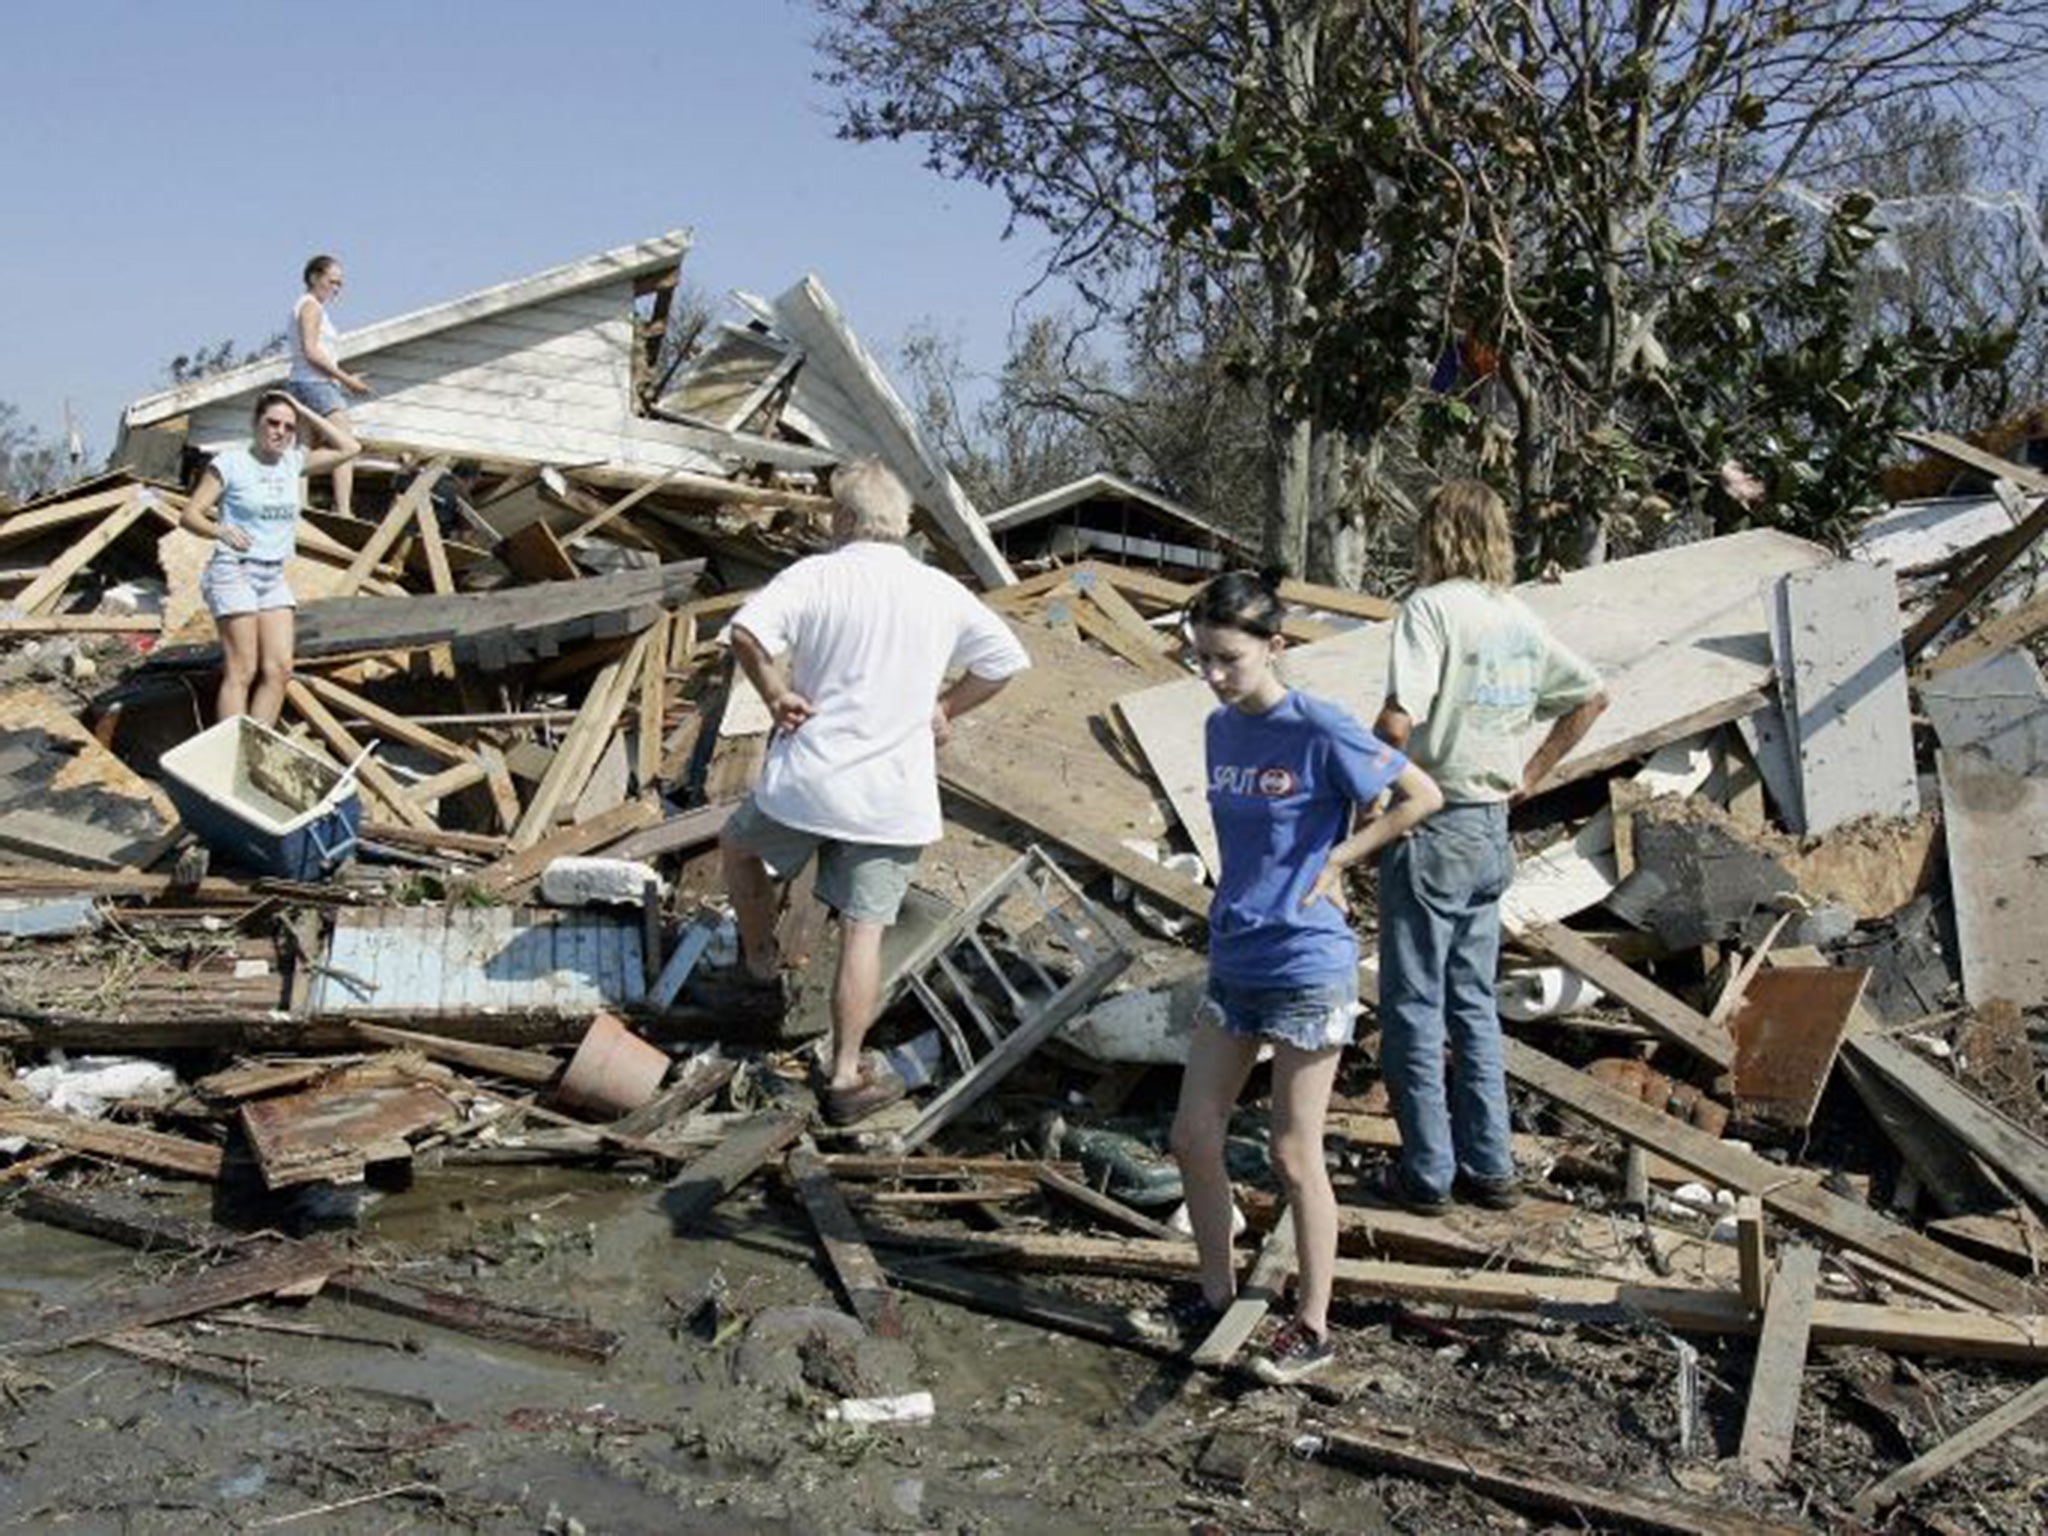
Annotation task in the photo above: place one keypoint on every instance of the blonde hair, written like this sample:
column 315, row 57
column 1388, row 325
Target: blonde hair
column 1464, row 533
column 871, row 500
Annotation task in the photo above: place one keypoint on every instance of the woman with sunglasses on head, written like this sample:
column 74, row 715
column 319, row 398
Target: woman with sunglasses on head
column 248, row 504
column 317, row 380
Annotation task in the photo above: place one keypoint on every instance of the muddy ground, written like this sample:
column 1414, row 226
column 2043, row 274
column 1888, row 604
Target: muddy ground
column 431, row 1431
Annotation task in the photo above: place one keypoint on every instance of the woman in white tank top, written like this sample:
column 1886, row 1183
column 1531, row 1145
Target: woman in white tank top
column 317, row 379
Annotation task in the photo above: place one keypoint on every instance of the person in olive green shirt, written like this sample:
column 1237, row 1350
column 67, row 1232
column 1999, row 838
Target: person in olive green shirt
column 1470, row 670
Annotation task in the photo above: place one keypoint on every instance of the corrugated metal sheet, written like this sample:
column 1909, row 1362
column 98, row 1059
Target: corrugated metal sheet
column 422, row 961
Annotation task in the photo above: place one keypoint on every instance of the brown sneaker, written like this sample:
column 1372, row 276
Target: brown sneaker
column 877, row 1089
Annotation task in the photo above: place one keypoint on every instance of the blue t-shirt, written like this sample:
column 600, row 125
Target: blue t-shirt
column 1281, row 790
column 261, row 499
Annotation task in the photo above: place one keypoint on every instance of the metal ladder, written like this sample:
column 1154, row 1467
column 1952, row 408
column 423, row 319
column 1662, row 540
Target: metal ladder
column 954, row 972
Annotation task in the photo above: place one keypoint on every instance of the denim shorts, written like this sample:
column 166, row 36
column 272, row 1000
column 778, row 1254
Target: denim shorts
column 233, row 584
column 1316, row 1018
column 861, row 881
column 323, row 397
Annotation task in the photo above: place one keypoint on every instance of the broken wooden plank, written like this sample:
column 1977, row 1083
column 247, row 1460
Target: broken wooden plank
column 138, row 1222
column 262, row 1274
column 2001, row 1421
column 1099, row 1205
column 1787, row 1033
column 1749, row 1252
column 653, row 701
column 1670, row 1018
column 846, row 1248
column 692, row 1083
column 514, row 873
column 2007, row 1146
column 1996, row 825
column 1530, row 1485
column 388, row 722
column 1845, row 1222
column 121, row 1143
column 1261, row 1289
column 533, row 1067
column 1774, row 1385
column 691, row 1195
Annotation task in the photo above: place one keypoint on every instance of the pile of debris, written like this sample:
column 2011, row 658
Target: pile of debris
column 1775, row 975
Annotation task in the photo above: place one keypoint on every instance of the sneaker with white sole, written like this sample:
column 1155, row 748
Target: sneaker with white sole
column 1295, row 1352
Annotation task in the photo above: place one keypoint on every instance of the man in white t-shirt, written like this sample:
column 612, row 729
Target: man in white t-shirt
column 850, row 651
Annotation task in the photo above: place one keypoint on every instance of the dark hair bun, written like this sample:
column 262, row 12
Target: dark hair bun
column 1271, row 576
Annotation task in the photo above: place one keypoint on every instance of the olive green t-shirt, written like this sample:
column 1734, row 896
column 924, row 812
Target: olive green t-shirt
column 1475, row 667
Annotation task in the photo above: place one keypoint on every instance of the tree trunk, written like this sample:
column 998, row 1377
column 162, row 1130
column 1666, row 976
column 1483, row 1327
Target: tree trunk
column 1290, row 493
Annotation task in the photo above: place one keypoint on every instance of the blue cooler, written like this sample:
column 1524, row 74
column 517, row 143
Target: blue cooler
column 263, row 802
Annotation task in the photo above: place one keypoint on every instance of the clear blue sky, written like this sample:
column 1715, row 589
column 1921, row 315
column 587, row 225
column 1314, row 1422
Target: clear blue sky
column 167, row 167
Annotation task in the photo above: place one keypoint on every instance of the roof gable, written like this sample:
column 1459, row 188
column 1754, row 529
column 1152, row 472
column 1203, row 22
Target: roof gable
column 642, row 257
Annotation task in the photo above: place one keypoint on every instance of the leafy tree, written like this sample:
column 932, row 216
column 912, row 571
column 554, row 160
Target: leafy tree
column 1490, row 229
column 31, row 464
column 204, row 362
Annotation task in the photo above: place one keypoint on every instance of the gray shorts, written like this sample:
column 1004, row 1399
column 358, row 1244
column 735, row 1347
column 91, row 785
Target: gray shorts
column 233, row 584
column 864, row 882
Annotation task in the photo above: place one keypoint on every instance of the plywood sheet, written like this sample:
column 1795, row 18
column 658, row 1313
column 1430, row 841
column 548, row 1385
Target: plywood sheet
column 1997, row 832
column 1845, row 691
column 1679, row 637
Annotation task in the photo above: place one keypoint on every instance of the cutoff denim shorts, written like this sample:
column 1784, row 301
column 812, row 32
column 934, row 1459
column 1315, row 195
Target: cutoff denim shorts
column 861, row 881
column 323, row 397
column 1317, row 1018
column 234, row 584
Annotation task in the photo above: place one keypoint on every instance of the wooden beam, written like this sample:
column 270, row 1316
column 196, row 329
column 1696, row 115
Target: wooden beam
column 577, row 755
column 1966, row 588
column 450, row 781
column 1670, row 1018
column 376, row 778
column 402, row 513
column 1357, row 605
column 440, row 659
column 388, row 722
column 85, row 624
column 1845, row 1222
column 504, row 795
column 1104, row 1208
column 513, row 873
column 43, row 594
column 536, row 1068
column 846, row 1248
column 1970, row 456
column 2020, row 1336
column 1774, row 1385
column 1995, row 1425
column 2001, row 632
column 691, row 1195
column 653, row 705
column 1531, row 1485
column 119, row 1143
column 17, row 526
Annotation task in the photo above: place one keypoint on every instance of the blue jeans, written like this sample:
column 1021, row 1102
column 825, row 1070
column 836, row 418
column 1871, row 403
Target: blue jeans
column 1440, row 890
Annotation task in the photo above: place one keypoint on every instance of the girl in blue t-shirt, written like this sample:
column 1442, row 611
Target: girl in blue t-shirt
column 248, row 504
column 1287, row 775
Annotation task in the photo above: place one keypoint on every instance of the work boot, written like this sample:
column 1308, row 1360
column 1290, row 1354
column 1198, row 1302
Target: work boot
column 1493, row 1194
column 1388, row 1185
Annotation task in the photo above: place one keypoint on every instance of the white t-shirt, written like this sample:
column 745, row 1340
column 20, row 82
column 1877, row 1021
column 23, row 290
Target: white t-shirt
column 870, row 635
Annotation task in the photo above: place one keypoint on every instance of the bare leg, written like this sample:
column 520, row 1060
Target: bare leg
column 856, row 995
column 344, row 472
column 1218, row 1064
column 754, row 893
column 274, row 636
column 1301, row 1100
column 239, row 651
